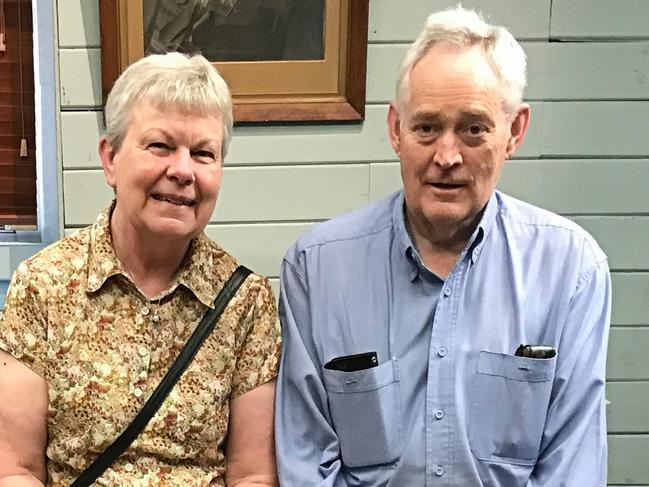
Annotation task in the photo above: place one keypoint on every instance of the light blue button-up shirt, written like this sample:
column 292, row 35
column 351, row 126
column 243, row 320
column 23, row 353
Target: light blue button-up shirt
column 448, row 404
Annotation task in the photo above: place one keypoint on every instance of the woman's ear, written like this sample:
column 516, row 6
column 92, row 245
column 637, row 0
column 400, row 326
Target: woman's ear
column 107, row 155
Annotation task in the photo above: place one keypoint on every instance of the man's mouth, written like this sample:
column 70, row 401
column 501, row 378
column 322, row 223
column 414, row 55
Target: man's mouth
column 447, row 186
column 174, row 200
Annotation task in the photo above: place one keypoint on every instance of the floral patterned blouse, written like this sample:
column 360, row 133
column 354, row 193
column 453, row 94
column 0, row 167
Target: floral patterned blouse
column 74, row 316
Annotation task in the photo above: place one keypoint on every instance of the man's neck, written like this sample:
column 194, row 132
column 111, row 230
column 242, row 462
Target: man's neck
column 439, row 245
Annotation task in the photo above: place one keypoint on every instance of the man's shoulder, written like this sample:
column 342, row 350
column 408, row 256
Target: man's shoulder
column 352, row 227
column 558, row 231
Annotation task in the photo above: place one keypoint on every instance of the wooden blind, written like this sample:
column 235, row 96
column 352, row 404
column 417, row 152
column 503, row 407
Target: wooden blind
column 17, row 174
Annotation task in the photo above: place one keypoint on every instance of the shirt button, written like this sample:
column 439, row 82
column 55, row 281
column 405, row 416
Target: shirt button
column 142, row 350
column 439, row 471
column 128, row 467
column 155, row 318
column 447, row 291
column 441, row 352
column 439, row 414
column 137, row 392
column 145, row 311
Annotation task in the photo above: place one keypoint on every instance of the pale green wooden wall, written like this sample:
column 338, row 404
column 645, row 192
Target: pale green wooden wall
column 586, row 156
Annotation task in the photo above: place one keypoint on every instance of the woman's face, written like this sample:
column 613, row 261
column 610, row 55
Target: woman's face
column 167, row 173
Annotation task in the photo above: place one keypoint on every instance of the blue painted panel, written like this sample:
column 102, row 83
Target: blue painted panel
column 4, row 285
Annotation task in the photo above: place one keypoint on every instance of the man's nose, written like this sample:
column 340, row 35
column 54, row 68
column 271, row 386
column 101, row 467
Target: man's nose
column 181, row 167
column 447, row 150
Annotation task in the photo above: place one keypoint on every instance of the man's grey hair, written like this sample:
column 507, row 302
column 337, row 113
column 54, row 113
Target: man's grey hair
column 172, row 81
column 466, row 28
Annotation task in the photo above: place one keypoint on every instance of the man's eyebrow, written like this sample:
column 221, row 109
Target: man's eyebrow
column 428, row 116
column 476, row 114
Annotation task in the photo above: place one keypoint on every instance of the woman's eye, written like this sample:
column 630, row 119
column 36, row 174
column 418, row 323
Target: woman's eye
column 159, row 147
column 204, row 155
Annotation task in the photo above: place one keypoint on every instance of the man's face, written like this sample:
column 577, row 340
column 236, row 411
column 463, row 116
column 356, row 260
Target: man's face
column 167, row 173
column 452, row 136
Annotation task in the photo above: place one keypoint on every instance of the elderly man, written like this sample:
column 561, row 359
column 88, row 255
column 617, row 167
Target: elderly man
column 448, row 334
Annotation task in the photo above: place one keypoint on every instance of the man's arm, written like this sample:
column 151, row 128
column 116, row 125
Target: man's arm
column 308, row 452
column 249, row 450
column 23, row 424
column 573, row 447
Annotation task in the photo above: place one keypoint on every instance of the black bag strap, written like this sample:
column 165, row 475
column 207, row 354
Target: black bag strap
column 202, row 331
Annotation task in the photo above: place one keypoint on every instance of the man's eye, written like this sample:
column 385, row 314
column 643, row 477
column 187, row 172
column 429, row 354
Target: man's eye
column 476, row 129
column 425, row 129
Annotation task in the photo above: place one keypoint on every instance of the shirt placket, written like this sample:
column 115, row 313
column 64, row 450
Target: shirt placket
column 440, row 408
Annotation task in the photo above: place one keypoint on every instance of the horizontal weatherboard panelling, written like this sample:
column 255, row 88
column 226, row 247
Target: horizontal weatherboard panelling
column 582, row 186
column 261, row 246
column 627, row 357
column 80, row 78
column 627, row 408
column 394, row 21
column 78, row 23
column 80, row 132
column 624, row 75
column 623, row 238
column 295, row 144
column 627, row 455
column 599, row 19
column 613, row 128
column 247, row 194
column 630, row 298
column 273, row 145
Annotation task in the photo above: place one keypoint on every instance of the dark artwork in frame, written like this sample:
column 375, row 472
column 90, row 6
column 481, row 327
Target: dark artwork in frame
column 236, row 30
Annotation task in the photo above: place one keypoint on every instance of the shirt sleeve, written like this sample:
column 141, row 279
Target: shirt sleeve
column 258, row 357
column 23, row 329
column 573, row 447
column 307, row 446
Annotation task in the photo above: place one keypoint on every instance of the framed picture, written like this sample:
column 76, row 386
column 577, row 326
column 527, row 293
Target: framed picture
column 284, row 60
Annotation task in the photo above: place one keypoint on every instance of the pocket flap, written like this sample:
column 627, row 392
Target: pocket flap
column 516, row 368
column 361, row 380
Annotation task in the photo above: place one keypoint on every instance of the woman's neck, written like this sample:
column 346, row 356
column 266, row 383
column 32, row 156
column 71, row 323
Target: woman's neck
column 151, row 261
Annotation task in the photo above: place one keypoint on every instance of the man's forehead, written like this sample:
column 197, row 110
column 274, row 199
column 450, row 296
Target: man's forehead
column 446, row 63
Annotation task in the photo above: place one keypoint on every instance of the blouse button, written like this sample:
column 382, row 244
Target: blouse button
column 128, row 467
column 137, row 392
column 142, row 351
column 145, row 311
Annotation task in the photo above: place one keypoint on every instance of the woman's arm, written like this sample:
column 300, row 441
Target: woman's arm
column 23, row 424
column 250, row 450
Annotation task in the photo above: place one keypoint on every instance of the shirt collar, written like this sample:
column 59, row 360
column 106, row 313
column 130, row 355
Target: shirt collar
column 197, row 272
column 473, row 248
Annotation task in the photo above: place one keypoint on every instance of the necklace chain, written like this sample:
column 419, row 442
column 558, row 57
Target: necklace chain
column 148, row 303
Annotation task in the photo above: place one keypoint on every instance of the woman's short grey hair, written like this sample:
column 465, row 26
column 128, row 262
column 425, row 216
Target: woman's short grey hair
column 465, row 28
column 172, row 81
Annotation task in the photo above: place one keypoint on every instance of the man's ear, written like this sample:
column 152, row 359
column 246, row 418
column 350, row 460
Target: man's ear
column 107, row 155
column 394, row 128
column 518, row 129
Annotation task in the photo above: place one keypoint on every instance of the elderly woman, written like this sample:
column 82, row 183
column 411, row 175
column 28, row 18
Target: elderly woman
column 93, row 322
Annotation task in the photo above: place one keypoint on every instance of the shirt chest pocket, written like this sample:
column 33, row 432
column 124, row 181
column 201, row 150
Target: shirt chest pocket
column 365, row 408
column 509, row 403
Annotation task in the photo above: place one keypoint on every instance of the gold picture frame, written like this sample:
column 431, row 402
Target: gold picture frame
column 330, row 89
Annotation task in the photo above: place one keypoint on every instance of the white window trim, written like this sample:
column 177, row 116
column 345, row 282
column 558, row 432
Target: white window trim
column 48, row 175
